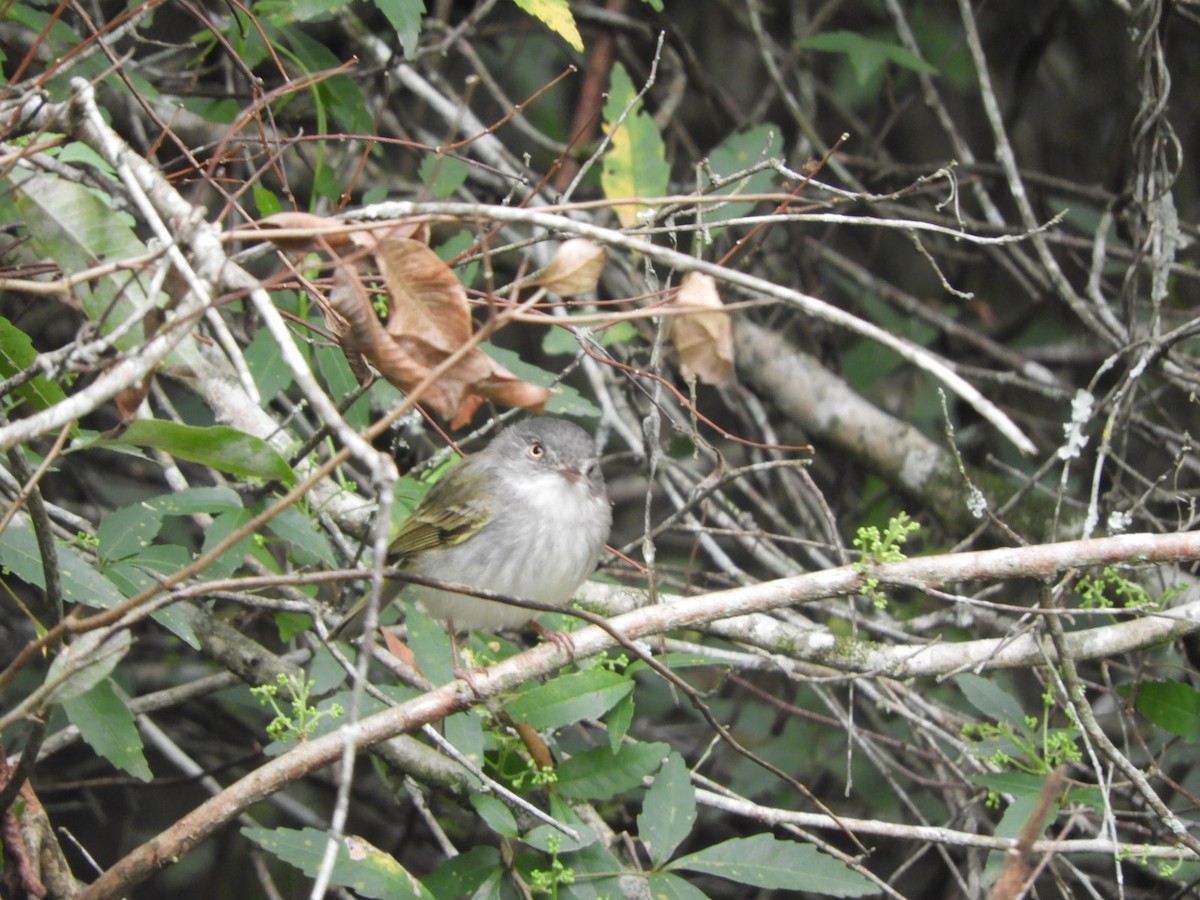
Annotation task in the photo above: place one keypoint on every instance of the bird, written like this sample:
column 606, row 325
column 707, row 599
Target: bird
column 527, row 517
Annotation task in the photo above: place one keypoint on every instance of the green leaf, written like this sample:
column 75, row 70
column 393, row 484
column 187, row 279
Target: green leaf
column 498, row 817
column 442, row 175
column 430, row 644
column 556, row 15
column 463, row 875
column 222, row 526
column 635, row 165
column 566, row 401
column 338, row 95
column 668, row 810
column 1172, row 706
column 266, row 367
column 1010, row 826
column 766, row 862
column 85, row 662
column 361, row 867
column 597, row 873
column 600, row 774
column 81, row 582
column 126, row 531
column 132, row 577
column 454, row 246
column 991, row 699
column 669, row 886
column 866, row 55
column 191, row 501
column 619, row 720
column 267, row 203
column 570, row 698
column 224, row 449
column 76, row 227
column 465, row 731
column 738, row 152
column 17, row 354
column 331, row 361
column 108, row 727
column 405, row 18
column 1019, row 784
column 547, row 837
column 308, row 546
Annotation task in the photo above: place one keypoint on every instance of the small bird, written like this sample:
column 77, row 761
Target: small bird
column 527, row 516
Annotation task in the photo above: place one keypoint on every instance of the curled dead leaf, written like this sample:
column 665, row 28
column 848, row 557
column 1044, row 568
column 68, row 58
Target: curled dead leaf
column 575, row 269
column 703, row 339
column 428, row 320
column 330, row 234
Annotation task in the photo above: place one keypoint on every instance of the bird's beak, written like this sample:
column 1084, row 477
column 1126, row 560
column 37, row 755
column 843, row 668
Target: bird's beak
column 571, row 473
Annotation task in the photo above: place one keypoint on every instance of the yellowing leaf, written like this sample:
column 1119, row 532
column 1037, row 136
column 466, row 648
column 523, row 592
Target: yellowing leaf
column 636, row 164
column 557, row 17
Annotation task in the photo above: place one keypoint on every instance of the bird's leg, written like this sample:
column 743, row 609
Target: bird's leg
column 561, row 638
column 459, row 672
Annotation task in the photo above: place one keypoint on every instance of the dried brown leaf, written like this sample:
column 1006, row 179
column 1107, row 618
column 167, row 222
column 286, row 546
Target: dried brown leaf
column 704, row 339
column 575, row 269
column 428, row 320
column 322, row 238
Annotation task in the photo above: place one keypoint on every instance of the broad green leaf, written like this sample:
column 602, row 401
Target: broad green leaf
column 405, row 18
column 17, row 354
column 268, row 203
column 108, row 727
column 126, row 531
column 562, row 342
column 337, row 95
column 668, row 810
column 430, row 644
column 557, row 17
column 222, row 526
column 465, row 731
column 268, row 369
column 191, row 501
column 148, row 567
column 991, row 699
column 224, row 449
column 597, row 873
column 462, row 875
column 866, row 56
column 737, row 152
column 85, row 662
column 619, row 720
column 635, row 165
column 600, row 774
column 498, row 817
column 766, row 862
column 570, row 698
column 291, row 624
column 81, row 582
column 75, row 228
column 360, row 866
column 1171, row 705
column 450, row 249
column 308, row 546
column 442, row 175
column 1010, row 826
column 566, row 401
column 339, row 377
column 546, row 837
column 1019, row 784
column 669, row 886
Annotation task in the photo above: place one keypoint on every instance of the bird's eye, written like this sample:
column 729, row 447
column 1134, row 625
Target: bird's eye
column 537, row 450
